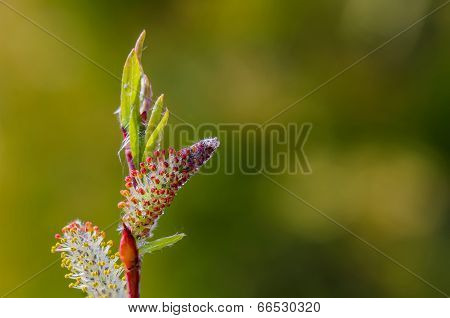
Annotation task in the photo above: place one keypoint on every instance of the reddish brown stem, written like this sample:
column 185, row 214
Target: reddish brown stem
column 133, row 279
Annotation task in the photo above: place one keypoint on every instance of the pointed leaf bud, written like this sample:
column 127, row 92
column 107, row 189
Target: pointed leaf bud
column 129, row 255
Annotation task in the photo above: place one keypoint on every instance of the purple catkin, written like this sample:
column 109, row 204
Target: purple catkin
column 153, row 187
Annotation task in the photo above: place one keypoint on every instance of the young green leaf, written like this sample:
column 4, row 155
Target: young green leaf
column 154, row 137
column 130, row 103
column 131, row 81
column 133, row 132
column 138, row 48
column 154, row 117
column 159, row 244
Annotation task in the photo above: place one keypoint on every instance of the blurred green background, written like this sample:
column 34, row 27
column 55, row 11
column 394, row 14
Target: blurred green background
column 379, row 148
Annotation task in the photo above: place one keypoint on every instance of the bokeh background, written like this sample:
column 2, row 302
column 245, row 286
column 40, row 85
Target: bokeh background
column 379, row 149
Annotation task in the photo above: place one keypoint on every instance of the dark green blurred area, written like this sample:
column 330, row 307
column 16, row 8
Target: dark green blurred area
column 379, row 148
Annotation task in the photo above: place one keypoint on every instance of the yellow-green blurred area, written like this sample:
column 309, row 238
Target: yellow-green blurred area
column 379, row 148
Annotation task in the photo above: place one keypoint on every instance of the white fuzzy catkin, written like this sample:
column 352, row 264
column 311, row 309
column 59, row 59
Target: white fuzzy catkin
column 92, row 266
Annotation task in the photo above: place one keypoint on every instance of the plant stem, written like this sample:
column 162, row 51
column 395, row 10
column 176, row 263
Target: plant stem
column 129, row 255
column 128, row 154
column 133, row 279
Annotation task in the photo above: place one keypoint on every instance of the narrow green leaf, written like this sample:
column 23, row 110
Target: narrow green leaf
column 138, row 48
column 159, row 244
column 155, row 117
column 133, row 132
column 154, row 137
column 131, row 80
column 130, row 102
